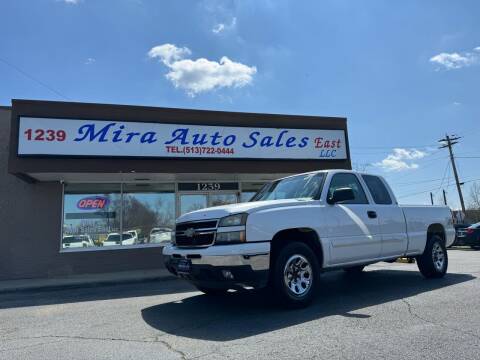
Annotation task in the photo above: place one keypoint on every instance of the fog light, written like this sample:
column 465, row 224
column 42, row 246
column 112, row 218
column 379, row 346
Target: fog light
column 227, row 274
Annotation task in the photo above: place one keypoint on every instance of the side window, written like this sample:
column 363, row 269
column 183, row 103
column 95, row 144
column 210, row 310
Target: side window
column 377, row 189
column 351, row 181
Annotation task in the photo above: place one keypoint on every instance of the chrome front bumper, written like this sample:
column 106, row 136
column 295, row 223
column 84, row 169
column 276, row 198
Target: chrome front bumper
column 248, row 263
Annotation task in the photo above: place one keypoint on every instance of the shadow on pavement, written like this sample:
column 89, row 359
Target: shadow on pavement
column 244, row 314
column 462, row 248
column 93, row 293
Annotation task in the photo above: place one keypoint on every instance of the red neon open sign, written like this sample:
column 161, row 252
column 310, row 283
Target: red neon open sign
column 92, row 203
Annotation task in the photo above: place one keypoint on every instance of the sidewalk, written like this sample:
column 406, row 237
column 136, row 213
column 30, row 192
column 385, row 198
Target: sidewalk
column 85, row 280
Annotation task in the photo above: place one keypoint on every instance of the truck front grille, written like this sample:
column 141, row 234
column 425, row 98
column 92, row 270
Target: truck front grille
column 195, row 233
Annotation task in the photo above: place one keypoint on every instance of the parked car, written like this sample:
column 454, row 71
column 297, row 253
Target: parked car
column 299, row 226
column 76, row 241
column 114, row 239
column 134, row 234
column 160, row 235
column 469, row 236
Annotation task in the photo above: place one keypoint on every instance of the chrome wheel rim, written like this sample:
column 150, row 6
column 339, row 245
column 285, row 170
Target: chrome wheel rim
column 438, row 256
column 297, row 275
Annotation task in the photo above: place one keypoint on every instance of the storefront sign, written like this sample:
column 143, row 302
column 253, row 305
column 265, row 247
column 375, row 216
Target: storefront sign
column 41, row 136
column 92, row 203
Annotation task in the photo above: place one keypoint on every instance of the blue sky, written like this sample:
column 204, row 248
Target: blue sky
column 404, row 73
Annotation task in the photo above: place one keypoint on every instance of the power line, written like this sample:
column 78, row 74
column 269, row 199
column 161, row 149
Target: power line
column 443, row 179
column 24, row 73
column 417, row 182
column 394, row 147
column 426, row 191
column 430, row 162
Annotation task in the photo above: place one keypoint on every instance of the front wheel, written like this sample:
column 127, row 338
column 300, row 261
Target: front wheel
column 295, row 275
column 433, row 262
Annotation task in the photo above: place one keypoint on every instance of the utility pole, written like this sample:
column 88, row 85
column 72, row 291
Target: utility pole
column 449, row 142
column 431, row 198
column 444, row 197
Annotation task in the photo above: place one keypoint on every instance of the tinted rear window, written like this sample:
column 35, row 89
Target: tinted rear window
column 377, row 189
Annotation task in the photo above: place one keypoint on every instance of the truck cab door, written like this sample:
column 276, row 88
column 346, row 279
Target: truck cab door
column 390, row 216
column 351, row 226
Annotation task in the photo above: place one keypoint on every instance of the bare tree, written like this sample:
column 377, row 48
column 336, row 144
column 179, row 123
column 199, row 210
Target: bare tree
column 360, row 167
column 473, row 211
column 474, row 201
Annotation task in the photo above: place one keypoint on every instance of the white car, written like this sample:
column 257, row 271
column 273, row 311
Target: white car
column 134, row 233
column 77, row 241
column 299, row 226
column 160, row 235
column 114, row 239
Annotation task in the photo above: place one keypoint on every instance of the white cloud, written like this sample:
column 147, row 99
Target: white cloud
column 221, row 27
column 200, row 75
column 89, row 61
column 168, row 53
column 71, row 1
column 401, row 159
column 218, row 28
column 457, row 60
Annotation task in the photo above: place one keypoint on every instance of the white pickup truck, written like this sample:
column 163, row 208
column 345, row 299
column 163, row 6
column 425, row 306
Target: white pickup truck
column 299, row 226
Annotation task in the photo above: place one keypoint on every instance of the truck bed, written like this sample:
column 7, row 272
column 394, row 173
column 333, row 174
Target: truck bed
column 418, row 218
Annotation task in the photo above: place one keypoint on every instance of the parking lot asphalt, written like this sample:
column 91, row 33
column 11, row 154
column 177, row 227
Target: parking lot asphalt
column 390, row 312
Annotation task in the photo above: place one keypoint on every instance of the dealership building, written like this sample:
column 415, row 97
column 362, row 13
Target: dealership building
column 94, row 188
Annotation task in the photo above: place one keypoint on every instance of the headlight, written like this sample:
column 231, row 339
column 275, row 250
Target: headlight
column 233, row 220
column 231, row 237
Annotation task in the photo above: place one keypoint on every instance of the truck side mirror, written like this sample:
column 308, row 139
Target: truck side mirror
column 341, row 194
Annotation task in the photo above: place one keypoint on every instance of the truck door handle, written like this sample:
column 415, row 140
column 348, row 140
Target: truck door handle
column 372, row 214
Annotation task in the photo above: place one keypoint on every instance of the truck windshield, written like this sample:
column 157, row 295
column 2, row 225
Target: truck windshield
column 306, row 186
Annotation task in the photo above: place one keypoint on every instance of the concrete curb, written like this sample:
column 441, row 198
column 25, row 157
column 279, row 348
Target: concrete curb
column 84, row 281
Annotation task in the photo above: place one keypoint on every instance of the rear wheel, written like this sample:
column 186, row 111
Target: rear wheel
column 295, row 275
column 212, row 291
column 433, row 262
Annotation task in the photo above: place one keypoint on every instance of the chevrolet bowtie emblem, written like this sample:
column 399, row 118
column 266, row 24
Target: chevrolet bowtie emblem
column 189, row 232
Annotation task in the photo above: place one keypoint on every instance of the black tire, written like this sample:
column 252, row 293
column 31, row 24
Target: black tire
column 212, row 291
column 354, row 270
column 298, row 262
column 429, row 262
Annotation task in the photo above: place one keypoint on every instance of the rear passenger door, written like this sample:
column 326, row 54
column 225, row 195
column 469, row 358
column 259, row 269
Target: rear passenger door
column 390, row 217
column 351, row 227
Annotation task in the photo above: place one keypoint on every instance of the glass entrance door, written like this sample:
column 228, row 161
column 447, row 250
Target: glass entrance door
column 191, row 202
column 199, row 200
column 222, row 199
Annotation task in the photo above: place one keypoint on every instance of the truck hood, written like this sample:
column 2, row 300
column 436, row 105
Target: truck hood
column 217, row 212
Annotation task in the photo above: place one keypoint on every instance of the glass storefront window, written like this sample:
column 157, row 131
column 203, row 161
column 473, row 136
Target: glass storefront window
column 149, row 212
column 99, row 215
column 91, row 212
column 135, row 214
